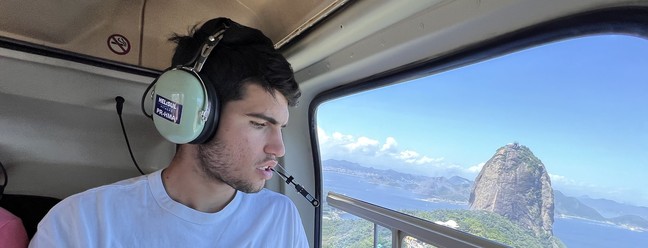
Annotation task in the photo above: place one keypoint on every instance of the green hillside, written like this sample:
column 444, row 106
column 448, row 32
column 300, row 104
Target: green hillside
column 340, row 232
column 489, row 225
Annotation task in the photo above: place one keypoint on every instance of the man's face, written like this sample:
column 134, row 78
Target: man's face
column 248, row 140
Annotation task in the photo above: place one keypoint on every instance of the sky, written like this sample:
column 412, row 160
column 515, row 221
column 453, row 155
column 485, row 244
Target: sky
column 580, row 105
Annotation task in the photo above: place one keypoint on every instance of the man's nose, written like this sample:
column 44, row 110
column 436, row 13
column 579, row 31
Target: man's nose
column 275, row 145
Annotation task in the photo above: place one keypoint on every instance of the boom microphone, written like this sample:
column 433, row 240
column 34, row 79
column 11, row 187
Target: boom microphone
column 290, row 179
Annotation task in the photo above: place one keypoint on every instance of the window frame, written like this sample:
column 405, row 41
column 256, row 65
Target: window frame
column 628, row 20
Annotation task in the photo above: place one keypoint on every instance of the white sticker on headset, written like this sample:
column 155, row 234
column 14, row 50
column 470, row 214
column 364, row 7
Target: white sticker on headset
column 167, row 109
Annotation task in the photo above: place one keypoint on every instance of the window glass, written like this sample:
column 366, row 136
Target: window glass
column 345, row 230
column 384, row 236
column 545, row 147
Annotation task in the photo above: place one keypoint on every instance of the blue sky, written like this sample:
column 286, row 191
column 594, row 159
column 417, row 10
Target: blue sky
column 580, row 105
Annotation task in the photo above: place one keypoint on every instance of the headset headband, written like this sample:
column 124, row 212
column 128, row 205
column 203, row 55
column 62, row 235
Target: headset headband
column 204, row 52
column 212, row 41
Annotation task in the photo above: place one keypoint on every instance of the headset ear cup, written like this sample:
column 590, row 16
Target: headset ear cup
column 211, row 125
column 180, row 99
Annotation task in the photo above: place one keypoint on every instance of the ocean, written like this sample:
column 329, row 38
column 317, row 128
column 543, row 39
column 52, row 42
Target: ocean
column 574, row 233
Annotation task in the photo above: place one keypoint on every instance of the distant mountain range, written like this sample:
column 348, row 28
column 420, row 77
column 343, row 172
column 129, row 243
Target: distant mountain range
column 608, row 208
column 566, row 206
column 457, row 189
column 454, row 189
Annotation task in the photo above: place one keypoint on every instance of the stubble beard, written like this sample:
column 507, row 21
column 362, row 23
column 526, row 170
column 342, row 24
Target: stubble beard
column 216, row 162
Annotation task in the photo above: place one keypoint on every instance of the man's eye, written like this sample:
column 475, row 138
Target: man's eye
column 256, row 124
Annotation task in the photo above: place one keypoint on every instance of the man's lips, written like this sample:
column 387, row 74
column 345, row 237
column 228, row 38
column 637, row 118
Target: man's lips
column 268, row 165
column 267, row 168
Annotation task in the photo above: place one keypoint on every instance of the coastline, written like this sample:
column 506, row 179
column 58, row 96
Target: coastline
column 607, row 223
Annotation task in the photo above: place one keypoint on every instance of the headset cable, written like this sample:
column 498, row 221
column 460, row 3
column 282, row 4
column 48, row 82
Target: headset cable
column 120, row 106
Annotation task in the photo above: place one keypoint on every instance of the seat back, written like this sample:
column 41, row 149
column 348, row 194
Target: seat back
column 29, row 208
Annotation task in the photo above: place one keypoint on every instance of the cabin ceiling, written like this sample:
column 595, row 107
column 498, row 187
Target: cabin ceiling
column 135, row 32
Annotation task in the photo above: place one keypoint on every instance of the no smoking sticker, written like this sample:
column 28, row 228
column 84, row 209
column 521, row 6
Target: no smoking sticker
column 118, row 44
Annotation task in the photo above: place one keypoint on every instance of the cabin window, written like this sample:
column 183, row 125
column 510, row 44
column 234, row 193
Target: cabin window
column 541, row 147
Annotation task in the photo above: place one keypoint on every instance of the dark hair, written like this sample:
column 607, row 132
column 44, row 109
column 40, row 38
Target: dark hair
column 244, row 55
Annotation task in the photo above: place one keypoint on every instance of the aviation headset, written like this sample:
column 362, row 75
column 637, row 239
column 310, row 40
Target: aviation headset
column 185, row 108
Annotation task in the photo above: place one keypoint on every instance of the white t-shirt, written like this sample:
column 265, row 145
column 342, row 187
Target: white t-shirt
column 138, row 212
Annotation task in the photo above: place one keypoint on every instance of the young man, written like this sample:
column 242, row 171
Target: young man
column 211, row 194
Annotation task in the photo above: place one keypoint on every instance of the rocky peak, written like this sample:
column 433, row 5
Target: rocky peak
column 515, row 184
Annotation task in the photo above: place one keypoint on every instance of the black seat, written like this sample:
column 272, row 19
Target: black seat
column 30, row 208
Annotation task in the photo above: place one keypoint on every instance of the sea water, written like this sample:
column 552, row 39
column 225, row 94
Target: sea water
column 574, row 233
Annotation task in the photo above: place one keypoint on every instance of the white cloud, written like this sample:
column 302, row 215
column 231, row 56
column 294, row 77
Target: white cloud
column 564, row 181
column 363, row 144
column 372, row 152
column 321, row 135
column 427, row 160
column 412, row 157
column 557, row 178
column 338, row 137
column 476, row 168
column 407, row 155
column 390, row 145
